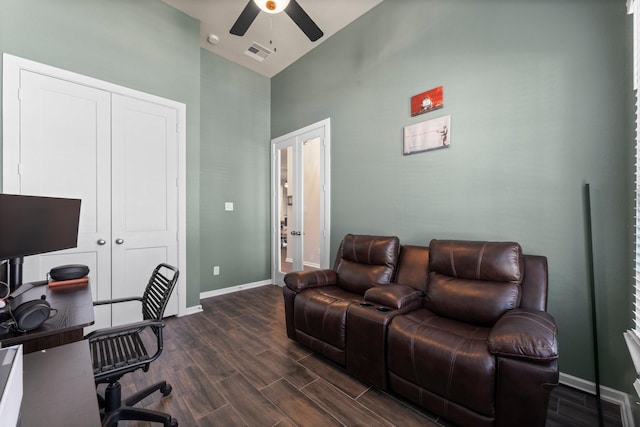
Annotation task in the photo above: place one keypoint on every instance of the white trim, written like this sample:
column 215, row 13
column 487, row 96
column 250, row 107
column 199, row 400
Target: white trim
column 12, row 65
column 191, row 310
column 231, row 289
column 325, row 172
column 607, row 394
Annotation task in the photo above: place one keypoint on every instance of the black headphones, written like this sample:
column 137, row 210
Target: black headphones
column 26, row 316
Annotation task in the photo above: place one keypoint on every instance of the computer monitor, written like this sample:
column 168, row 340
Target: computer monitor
column 31, row 225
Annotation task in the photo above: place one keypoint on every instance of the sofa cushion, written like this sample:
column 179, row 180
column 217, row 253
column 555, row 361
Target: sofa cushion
column 393, row 295
column 477, row 302
column 413, row 267
column 364, row 260
column 474, row 282
column 491, row 261
column 444, row 357
column 320, row 319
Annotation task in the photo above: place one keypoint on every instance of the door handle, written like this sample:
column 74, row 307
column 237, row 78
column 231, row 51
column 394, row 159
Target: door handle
column 296, row 233
column 101, row 242
column 119, row 241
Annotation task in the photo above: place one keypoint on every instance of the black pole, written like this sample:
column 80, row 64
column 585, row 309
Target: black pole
column 15, row 273
column 592, row 298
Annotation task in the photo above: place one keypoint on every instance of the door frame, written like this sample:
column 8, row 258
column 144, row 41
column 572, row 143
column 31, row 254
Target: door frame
column 325, row 214
column 11, row 68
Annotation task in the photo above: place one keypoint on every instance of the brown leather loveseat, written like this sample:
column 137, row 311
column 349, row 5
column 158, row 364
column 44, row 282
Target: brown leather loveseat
column 459, row 328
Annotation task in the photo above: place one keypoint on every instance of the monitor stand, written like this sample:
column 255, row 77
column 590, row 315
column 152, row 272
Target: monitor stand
column 15, row 273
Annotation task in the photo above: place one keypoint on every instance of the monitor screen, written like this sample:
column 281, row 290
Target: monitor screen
column 32, row 225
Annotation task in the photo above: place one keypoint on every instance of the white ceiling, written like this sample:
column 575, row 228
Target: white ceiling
column 275, row 32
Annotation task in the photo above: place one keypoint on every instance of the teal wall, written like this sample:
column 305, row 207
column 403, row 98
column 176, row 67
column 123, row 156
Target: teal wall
column 539, row 95
column 235, row 167
column 142, row 44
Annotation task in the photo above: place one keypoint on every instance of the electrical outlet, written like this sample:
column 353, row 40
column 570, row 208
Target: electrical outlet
column 216, row 270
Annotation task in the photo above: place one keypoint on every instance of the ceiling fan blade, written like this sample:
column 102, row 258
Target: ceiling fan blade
column 245, row 19
column 302, row 20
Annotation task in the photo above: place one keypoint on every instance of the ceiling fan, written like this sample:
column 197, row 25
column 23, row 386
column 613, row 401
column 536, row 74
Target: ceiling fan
column 290, row 7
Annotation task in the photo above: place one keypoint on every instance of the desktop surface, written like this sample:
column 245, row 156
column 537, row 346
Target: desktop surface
column 59, row 390
column 73, row 309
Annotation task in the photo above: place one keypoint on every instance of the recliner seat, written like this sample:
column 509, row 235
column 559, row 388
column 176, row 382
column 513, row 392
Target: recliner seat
column 443, row 355
column 316, row 302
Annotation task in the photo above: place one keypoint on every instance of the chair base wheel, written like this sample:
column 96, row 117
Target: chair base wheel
column 166, row 391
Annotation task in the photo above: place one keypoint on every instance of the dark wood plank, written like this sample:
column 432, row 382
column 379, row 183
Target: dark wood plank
column 298, row 407
column 225, row 416
column 251, row 405
column 334, row 375
column 348, row 411
column 253, row 368
column 288, row 369
column 393, row 410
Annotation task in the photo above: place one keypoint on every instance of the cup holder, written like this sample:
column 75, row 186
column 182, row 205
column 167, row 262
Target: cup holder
column 366, row 304
column 383, row 309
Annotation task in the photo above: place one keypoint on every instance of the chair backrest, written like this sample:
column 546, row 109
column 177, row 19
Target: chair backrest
column 474, row 282
column 363, row 261
column 156, row 294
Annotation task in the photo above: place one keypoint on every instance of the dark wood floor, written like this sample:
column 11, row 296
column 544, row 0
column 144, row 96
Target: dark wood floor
column 233, row 365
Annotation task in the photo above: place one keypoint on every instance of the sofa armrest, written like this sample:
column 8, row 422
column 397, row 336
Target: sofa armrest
column 300, row 280
column 525, row 334
column 392, row 295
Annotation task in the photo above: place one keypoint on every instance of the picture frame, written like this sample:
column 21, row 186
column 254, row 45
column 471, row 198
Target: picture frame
column 429, row 100
column 426, row 136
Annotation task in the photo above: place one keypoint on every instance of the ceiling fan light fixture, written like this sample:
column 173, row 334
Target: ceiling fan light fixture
column 272, row 6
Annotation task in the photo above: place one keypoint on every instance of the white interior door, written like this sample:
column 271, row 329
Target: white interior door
column 145, row 199
column 120, row 155
column 64, row 151
column 300, row 191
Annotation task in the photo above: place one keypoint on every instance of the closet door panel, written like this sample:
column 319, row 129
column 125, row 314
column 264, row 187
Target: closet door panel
column 65, row 140
column 145, row 197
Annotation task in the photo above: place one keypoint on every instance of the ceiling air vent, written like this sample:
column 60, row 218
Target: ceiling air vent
column 258, row 52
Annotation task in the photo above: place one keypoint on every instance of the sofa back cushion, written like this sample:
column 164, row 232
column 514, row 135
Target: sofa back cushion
column 364, row 260
column 413, row 267
column 474, row 282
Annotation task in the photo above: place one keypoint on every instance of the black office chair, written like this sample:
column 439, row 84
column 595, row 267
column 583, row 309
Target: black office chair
column 119, row 350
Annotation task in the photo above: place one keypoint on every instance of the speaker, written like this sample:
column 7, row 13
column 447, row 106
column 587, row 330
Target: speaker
column 69, row 272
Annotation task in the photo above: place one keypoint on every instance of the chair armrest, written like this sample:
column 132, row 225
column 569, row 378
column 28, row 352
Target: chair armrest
column 300, row 280
column 392, row 295
column 116, row 300
column 525, row 334
column 124, row 328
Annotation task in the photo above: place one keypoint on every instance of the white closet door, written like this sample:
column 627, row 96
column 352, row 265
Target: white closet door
column 145, row 198
column 65, row 140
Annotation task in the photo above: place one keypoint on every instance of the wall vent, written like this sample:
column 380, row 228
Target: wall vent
column 258, row 52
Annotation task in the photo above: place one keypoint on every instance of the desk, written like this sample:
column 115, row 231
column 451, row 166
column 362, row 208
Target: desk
column 59, row 388
column 75, row 311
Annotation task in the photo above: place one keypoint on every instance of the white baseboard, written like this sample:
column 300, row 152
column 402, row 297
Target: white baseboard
column 223, row 291
column 191, row 310
column 608, row 394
